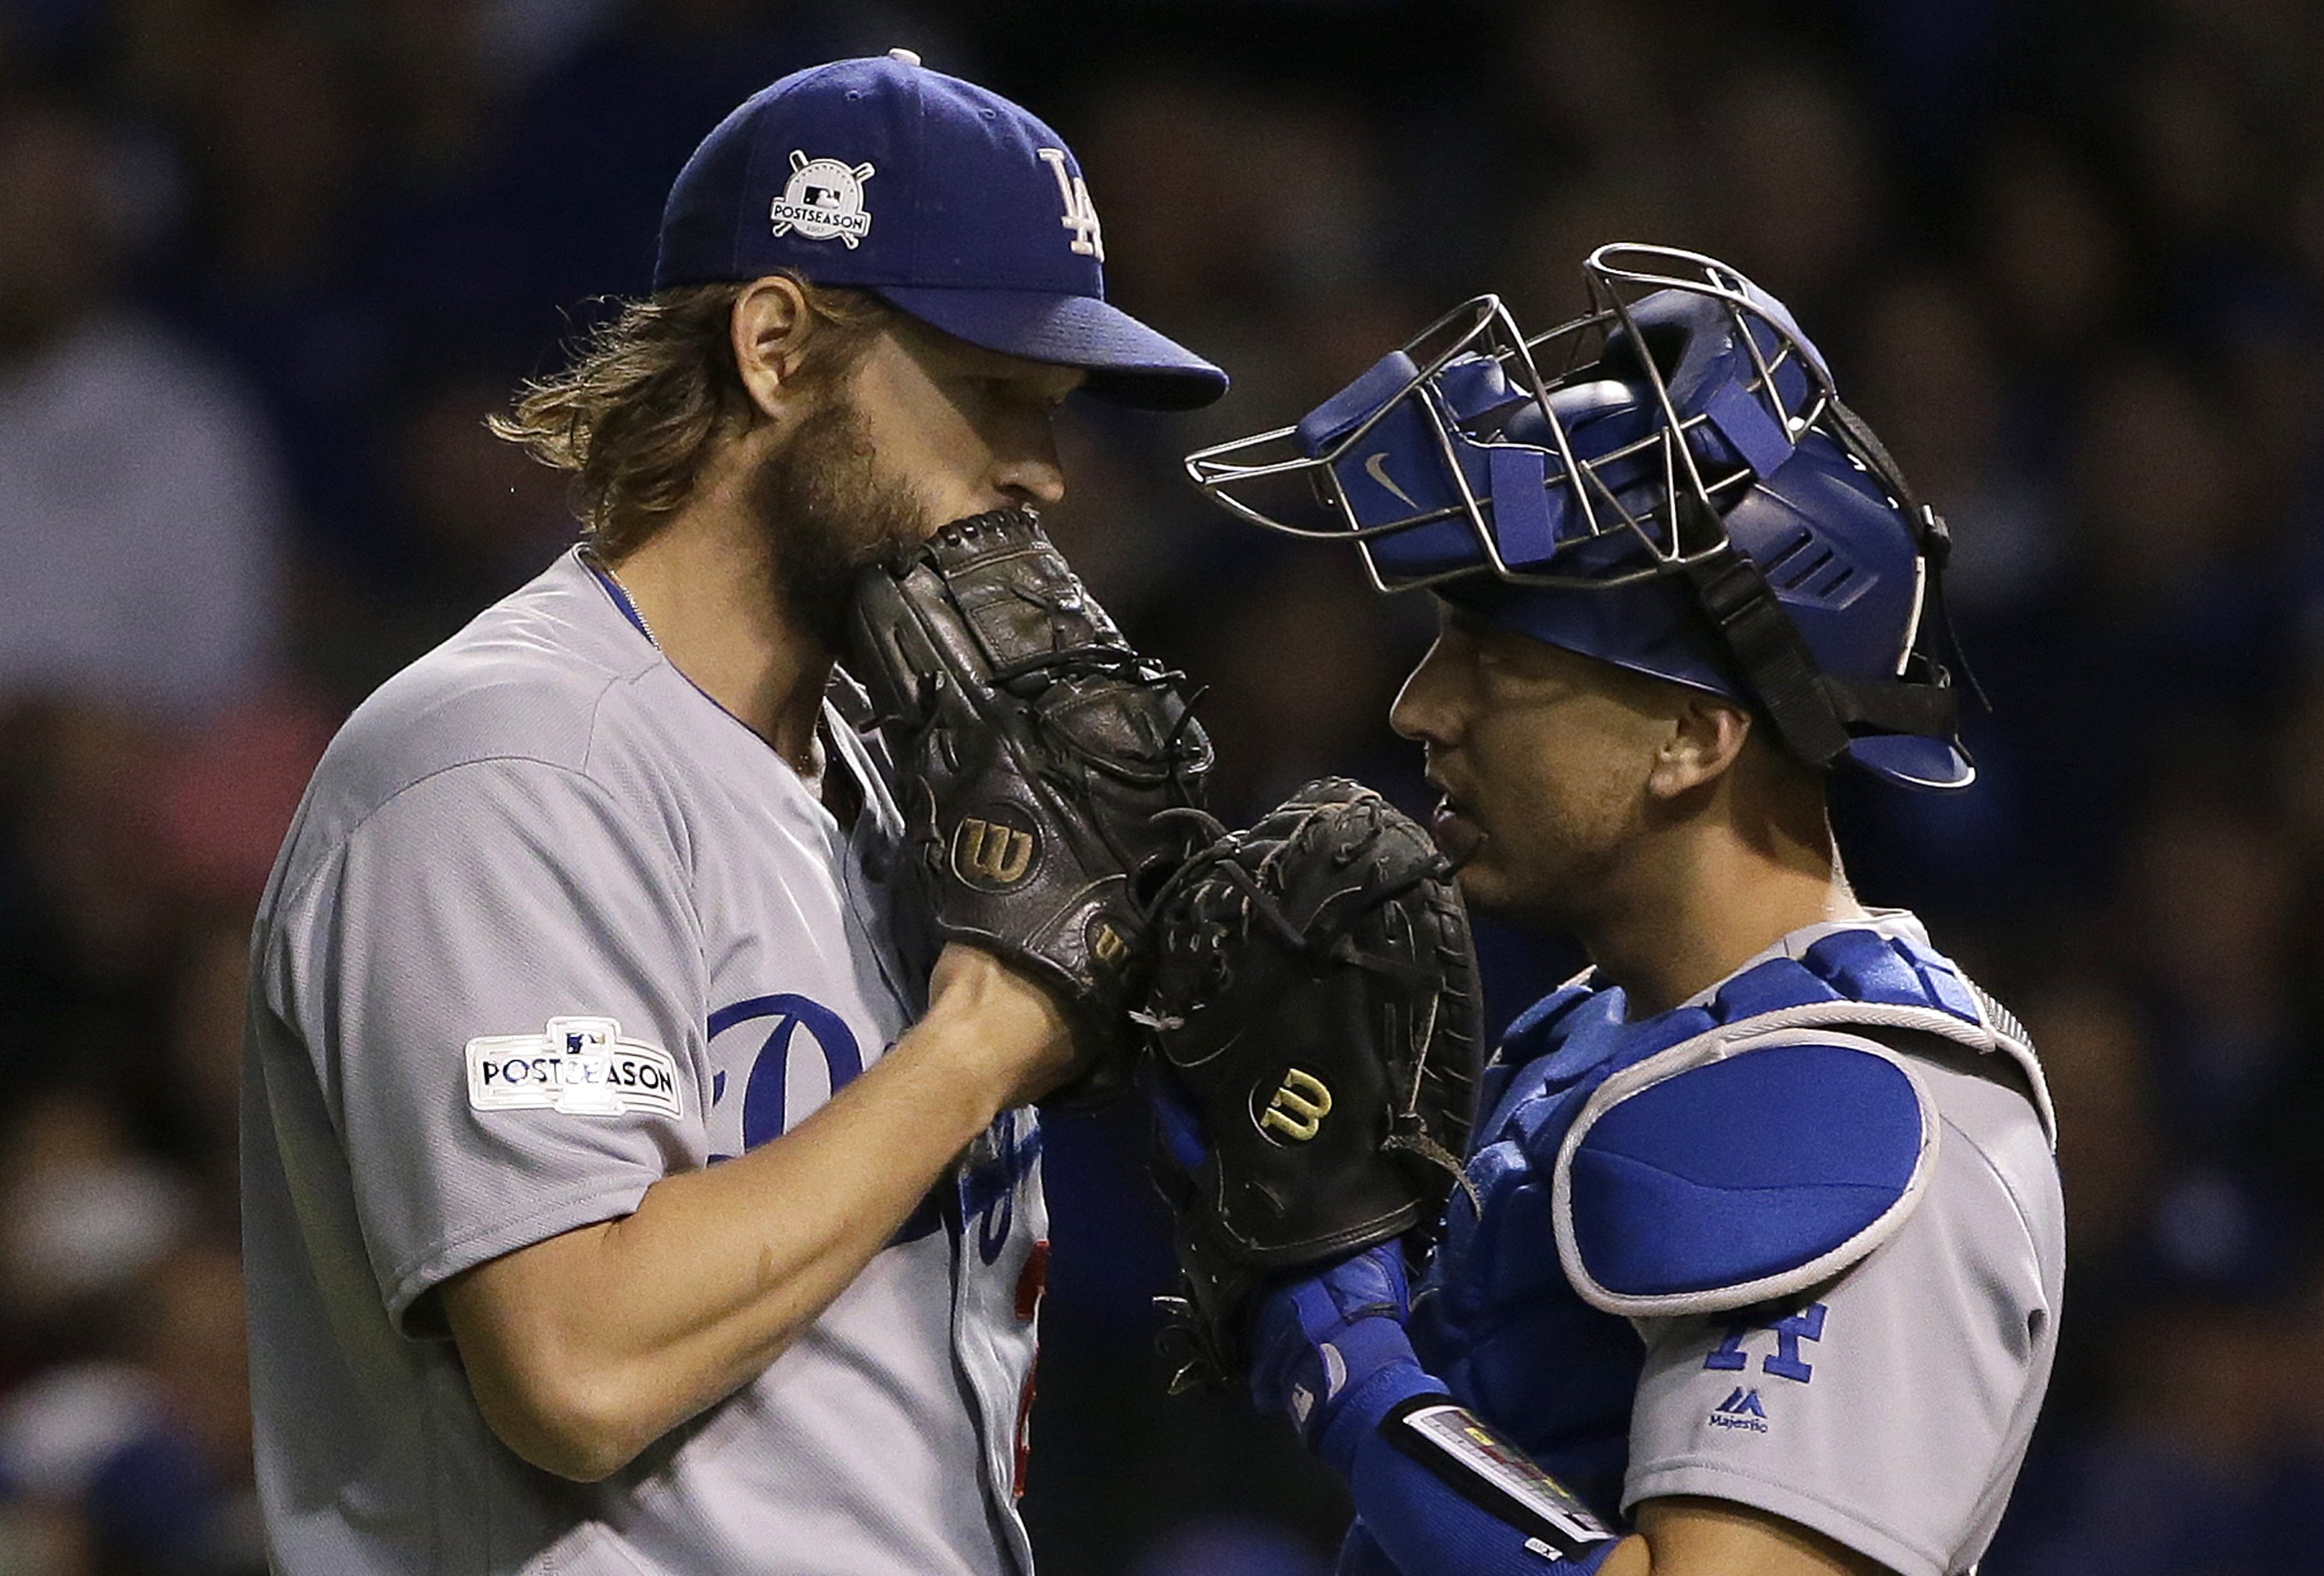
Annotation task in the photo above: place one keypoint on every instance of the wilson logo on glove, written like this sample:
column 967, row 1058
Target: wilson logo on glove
column 1043, row 768
column 1299, row 1107
column 1106, row 944
column 991, row 853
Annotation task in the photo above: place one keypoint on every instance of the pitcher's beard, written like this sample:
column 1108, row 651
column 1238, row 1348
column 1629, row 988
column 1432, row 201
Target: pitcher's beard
column 828, row 512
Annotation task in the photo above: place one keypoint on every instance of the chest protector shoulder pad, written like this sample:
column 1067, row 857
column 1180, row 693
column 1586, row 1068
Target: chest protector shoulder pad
column 1762, row 1157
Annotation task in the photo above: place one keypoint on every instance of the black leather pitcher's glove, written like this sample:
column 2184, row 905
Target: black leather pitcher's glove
column 1032, row 748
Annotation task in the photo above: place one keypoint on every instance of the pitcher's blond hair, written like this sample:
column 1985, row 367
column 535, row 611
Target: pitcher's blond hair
column 647, row 395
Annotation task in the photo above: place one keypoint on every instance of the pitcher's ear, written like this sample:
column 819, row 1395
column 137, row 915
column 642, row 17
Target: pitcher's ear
column 769, row 331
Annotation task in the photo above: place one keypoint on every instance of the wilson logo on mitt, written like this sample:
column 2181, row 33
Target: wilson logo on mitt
column 1299, row 1107
column 1314, row 1015
column 1107, row 945
column 992, row 855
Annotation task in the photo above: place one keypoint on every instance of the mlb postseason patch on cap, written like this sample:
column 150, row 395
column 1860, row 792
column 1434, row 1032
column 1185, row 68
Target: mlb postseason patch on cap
column 575, row 1066
column 822, row 200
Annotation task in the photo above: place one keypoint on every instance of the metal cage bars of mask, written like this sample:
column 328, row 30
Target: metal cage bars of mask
column 1222, row 469
column 1682, row 527
column 1615, row 289
column 1683, row 530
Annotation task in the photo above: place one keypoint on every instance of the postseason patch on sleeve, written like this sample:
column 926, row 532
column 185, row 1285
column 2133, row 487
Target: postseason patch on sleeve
column 1493, row 1473
column 577, row 1067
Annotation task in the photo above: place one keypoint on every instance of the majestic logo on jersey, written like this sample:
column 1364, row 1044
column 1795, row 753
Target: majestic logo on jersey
column 1785, row 1361
column 1081, row 213
column 824, row 198
column 1740, row 1410
column 577, row 1067
column 1299, row 1107
column 993, row 852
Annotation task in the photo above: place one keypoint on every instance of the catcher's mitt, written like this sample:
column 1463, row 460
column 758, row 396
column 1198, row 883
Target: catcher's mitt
column 1033, row 748
column 1315, row 1004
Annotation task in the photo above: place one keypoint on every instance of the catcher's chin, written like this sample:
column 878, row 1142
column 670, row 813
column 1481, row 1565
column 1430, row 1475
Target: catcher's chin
column 1484, row 884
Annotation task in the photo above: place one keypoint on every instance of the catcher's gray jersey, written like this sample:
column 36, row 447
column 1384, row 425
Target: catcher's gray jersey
column 1890, row 1408
column 551, row 926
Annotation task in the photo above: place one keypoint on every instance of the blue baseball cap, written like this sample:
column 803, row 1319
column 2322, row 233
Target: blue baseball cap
column 946, row 200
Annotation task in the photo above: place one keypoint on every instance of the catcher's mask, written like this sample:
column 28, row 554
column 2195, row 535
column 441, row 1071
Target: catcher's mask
column 1669, row 483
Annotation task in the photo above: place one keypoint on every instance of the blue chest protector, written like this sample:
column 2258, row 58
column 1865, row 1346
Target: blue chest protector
column 1703, row 1160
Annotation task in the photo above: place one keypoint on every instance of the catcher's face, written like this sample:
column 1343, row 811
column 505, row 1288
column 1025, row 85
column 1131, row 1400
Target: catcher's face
column 1554, row 767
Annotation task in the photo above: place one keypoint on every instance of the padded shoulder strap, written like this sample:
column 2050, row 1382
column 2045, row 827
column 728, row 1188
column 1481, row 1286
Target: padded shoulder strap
column 1740, row 1166
column 1861, row 976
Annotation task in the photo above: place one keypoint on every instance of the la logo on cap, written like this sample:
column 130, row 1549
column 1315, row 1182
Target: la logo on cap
column 824, row 198
column 1081, row 213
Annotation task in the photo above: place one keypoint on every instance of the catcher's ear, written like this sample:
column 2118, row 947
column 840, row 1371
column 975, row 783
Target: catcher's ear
column 1706, row 736
column 770, row 327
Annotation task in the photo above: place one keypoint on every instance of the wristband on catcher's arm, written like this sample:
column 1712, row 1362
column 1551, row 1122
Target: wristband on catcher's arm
column 1438, row 1487
column 1469, row 1456
column 1442, row 1494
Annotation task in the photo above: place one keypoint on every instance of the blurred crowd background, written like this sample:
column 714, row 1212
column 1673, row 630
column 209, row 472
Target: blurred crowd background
column 265, row 266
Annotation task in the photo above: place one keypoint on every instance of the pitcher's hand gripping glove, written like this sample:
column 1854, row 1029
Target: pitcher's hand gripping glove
column 1033, row 748
column 1315, row 1011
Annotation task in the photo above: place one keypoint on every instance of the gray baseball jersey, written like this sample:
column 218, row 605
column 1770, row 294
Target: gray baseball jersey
column 1890, row 1409
column 551, row 926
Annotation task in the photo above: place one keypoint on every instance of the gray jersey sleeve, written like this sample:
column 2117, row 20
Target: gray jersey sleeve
column 498, row 977
column 1890, row 1410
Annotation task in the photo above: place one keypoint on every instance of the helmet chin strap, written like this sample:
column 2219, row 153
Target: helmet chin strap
column 1814, row 711
column 1753, row 628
